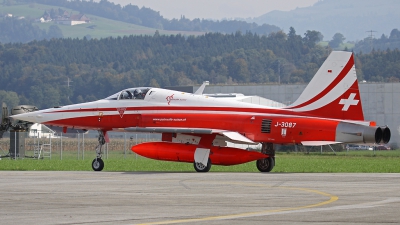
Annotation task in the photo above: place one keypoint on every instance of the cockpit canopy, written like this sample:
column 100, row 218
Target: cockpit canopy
column 131, row 93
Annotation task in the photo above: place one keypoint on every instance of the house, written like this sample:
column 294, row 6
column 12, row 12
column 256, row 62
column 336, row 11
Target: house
column 41, row 131
column 44, row 19
column 73, row 20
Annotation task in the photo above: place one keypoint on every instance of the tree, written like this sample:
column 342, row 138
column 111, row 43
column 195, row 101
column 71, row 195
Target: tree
column 14, row 30
column 394, row 34
column 337, row 39
column 55, row 32
column 311, row 37
column 10, row 98
column 292, row 33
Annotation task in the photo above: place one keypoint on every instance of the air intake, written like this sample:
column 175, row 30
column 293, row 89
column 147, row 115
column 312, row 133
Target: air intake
column 266, row 126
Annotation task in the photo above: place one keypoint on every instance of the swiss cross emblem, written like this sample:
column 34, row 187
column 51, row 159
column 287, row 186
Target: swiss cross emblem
column 121, row 111
column 348, row 102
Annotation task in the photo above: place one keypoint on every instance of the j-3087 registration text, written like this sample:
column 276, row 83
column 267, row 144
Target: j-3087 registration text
column 285, row 124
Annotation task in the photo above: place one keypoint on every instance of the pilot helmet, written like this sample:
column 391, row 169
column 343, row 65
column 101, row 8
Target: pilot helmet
column 137, row 92
column 125, row 95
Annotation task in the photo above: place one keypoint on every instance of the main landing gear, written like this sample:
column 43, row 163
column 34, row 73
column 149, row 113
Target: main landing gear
column 98, row 163
column 199, row 167
column 267, row 164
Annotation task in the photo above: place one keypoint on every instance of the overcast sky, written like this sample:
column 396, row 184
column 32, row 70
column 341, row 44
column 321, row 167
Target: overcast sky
column 216, row 9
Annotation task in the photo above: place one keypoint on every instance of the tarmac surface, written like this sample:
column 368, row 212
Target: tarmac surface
column 45, row 197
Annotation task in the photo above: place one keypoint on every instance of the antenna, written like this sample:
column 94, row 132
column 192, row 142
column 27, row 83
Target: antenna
column 371, row 36
column 371, row 31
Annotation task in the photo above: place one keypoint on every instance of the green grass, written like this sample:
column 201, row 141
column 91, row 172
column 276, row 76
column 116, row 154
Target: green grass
column 102, row 27
column 28, row 11
column 348, row 45
column 352, row 162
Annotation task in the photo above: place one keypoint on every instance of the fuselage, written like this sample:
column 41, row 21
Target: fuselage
column 167, row 108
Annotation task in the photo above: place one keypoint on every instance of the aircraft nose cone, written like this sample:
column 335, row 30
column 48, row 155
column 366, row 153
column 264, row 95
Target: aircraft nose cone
column 30, row 117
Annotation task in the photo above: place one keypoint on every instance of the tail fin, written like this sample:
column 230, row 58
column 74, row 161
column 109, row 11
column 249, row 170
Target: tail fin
column 333, row 92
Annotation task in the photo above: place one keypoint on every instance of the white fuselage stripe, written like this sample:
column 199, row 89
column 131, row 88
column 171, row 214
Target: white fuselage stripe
column 73, row 115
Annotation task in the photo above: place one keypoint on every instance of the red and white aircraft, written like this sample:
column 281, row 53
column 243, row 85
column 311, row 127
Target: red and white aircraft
column 195, row 127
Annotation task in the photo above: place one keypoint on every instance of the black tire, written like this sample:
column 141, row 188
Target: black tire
column 199, row 167
column 97, row 164
column 265, row 165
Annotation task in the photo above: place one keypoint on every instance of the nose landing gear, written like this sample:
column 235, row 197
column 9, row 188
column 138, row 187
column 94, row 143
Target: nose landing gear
column 98, row 163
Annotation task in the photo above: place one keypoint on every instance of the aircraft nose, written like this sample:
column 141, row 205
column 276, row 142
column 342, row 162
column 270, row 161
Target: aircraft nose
column 30, row 117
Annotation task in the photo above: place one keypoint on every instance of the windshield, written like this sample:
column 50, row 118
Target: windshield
column 131, row 93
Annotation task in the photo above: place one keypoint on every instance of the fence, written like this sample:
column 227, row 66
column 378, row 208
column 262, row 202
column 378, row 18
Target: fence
column 79, row 147
column 83, row 146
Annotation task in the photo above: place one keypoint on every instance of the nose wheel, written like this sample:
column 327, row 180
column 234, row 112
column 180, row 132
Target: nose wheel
column 98, row 163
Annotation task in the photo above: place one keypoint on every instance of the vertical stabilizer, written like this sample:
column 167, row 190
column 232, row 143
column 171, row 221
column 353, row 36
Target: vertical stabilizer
column 333, row 92
column 201, row 88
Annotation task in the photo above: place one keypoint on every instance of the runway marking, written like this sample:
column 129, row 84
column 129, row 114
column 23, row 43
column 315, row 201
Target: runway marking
column 332, row 198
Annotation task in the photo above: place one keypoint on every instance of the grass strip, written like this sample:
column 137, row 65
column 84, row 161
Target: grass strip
column 388, row 162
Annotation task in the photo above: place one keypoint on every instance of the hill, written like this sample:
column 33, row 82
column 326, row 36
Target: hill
column 351, row 18
column 150, row 18
column 108, row 19
column 99, row 27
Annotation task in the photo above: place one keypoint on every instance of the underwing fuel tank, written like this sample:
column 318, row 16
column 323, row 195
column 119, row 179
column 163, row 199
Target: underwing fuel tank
column 355, row 133
column 178, row 152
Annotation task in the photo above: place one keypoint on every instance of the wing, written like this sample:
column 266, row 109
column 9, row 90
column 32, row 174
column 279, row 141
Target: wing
column 231, row 136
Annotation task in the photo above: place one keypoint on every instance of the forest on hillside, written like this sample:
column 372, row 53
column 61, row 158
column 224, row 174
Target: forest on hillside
column 38, row 71
column 13, row 30
column 383, row 43
column 150, row 18
column 63, row 71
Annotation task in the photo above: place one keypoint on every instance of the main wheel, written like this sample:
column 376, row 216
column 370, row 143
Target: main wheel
column 97, row 164
column 265, row 165
column 199, row 167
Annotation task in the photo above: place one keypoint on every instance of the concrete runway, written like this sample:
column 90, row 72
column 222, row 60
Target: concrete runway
column 195, row 198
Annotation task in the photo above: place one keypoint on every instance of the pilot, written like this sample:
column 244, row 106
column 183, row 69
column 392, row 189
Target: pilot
column 137, row 94
column 126, row 95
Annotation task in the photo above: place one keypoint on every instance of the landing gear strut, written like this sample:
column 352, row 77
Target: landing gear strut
column 97, row 163
column 267, row 164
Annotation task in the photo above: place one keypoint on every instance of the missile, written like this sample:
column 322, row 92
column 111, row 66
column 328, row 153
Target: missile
column 178, row 152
